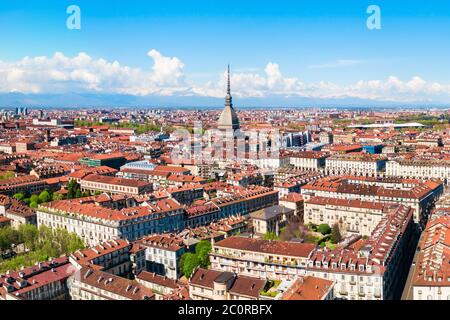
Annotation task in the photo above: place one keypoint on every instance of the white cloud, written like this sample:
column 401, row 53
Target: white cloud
column 82, row 73
column 59, row 74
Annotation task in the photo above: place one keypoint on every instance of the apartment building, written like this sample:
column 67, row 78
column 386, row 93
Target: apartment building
column 200, row 215
column 23, row 184
column 16, row 212
column 308, row 160
column 95, row 224
column 419, row 195
column 21, row 214
column 111, row 256
column 207, row 284
column 372, row 269
column 359, row 164
column 353, row 216
column 271, row 219
column 294, row 201
column 160, row 285
column 163, row 253
column 43, row 281
column 310, row 288
column 263, row 259
column 98, row 183
column 91, row 284
column 78, row 175
column 242, row 201
column 431, row 279
column 419, row 169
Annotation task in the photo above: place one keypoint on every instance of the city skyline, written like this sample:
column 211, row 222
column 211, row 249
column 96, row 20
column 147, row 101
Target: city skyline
column 175, row 54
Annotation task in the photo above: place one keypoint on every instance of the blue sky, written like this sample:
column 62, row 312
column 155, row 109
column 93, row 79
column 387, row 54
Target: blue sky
column 312, row 42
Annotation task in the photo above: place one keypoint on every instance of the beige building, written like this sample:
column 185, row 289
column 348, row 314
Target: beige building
column 308, row 160
column 98, row 183
column 431, row 279
column 94, row 223
column 294, row 201
column 419, row 195
column 271, row 219
column 416, row 169
column 263, row 259
column 110, row 256
column 359, row 164
column 160, row 285
column 90, row 284
column 217, row 285
column 43, row 281
column 353, row 216
column 370, row 269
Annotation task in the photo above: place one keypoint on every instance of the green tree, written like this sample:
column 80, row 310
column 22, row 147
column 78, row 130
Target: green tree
column 57, row 196
column 202, row 250
column 34, row 198
column 73, row 189
column 44, row 196
column 190, row 262
column 336, row 234
column 324, row 229
column 29, row 234
column 44, row 242
column 19, row 196
column 9, row 237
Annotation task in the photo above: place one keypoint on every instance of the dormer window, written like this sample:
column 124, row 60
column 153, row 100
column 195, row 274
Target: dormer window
column 317, row 263
column 334, row 265
column 342, row 266
column 361, row 268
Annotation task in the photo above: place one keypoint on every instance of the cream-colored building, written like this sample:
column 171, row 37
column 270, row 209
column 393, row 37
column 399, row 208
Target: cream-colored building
column 94, row 223
column 98, row 183
column 360, row 165
column 90, row 284
column 217, row 285
column 263, row 259
column 353, row 216
column 420, row 195
column 271, row 219
column 371, row 269
column 308, row 160
column 419, row 169
column 431, row 279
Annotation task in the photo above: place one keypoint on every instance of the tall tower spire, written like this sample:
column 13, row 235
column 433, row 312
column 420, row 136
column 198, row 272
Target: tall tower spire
column 229, row 86
column 228, row 99
column 228, row 118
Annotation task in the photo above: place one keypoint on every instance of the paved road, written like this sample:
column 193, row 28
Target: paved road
column 407, row 291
